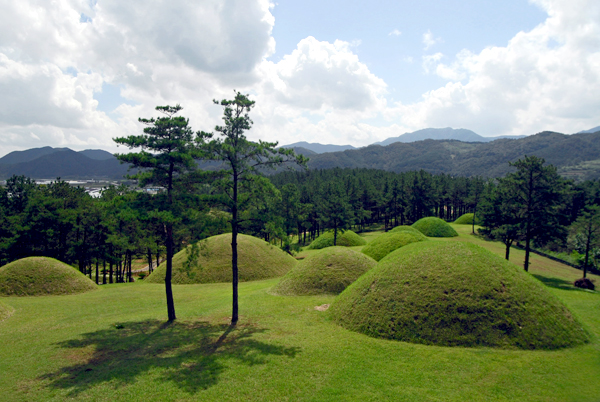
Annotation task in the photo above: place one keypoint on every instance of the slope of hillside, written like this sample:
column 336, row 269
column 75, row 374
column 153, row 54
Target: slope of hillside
column 28, row 155
column 566, row 152
column 66, row 164
column 318, row 148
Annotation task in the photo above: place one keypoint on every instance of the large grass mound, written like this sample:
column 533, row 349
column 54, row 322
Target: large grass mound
column 39, row 276
column 455, row 294
column 257, row 259
column 466, row 219
column 409, row 229
column 327, row 271
column 434, row 227
column 346, row 239
column 390, row 241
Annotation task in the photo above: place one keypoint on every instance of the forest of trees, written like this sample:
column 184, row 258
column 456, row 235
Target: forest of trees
column 61, row 221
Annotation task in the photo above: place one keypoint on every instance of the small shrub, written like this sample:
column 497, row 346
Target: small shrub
column 142, row 275
column 584, row 283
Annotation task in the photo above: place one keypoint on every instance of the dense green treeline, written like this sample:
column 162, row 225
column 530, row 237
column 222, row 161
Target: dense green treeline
column 365, row 197
column 95, row 234
column 105, row 234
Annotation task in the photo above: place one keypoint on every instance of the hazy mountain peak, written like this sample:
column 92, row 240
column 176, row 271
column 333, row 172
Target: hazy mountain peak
column 318, row 148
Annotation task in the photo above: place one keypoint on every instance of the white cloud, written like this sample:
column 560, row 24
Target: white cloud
column 51, row 64
column 322, row 76
column 431, row 60
column 395, row 32
column 429, row 40
column 545, row 79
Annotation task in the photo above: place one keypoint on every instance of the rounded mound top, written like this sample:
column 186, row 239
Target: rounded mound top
column 466, row 219
column 390, row 241
column 346, row 239
column 404, row 228
column 39, row 276
column 210, row 261
column 327, row 271
column 434, row 227
column 455, row 294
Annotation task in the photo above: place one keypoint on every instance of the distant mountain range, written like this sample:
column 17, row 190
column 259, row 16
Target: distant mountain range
column 50, row 163
column 591, row 130
column 318, row 148
column 447, row 133
column 576, row 156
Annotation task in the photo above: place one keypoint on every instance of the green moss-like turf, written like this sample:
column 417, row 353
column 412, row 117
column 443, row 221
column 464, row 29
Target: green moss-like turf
column 346, row 239
column 434, row 227
column 327, row 271
column 455, row 294
column 5, row 311
column 390, row 241
column 466, row 219
column 39, row 276
column 257, row 259
column 404, row 228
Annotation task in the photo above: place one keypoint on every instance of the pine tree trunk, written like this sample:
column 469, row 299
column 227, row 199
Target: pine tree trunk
column 168, row 288
column 234, row 251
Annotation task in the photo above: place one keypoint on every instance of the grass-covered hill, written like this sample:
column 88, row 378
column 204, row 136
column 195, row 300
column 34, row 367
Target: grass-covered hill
column 466, row 219
column 409, row 229
column 257, row 259
column 455, row 294
column 39, row 276
column 346, row 239
column 434, row 227
column 388, row 242
column 326, row 271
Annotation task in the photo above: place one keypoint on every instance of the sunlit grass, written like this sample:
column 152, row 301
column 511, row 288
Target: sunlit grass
column 112, row 345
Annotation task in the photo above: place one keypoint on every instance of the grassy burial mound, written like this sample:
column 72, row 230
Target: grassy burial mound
column 455, row 294
column 257, row 259
column 346, row 239
column 466, row 219
column 327, row 271
column 390, row 241
column 409, row 229
column 39, row 276
column 434, row 227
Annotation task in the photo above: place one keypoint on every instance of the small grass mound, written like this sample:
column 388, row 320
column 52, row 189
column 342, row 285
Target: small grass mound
column 5, row 311
column 434, row 227
column 327, row 271
column 390, row 241
column 40, row 276
column 455, row 294
column 404, row 228
column 466, row 219
column 346, row 239
column 257, row 259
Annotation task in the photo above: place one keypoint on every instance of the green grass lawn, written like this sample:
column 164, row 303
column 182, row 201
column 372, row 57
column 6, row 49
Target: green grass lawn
column 112, row 344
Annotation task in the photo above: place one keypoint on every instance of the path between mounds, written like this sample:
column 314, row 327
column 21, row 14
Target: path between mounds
column 146, row 268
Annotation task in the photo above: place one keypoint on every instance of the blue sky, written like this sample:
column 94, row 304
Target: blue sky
column 391, row 33
column 75, row 73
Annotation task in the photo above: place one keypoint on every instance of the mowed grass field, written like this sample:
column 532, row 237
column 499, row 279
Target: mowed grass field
column 112, row 344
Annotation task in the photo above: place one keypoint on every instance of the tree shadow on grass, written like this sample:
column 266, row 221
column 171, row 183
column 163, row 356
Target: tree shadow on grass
column 190, row 355
column 556, row 283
